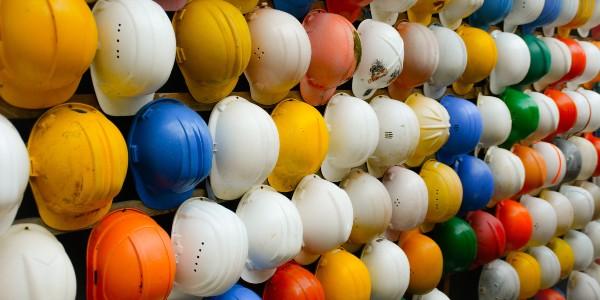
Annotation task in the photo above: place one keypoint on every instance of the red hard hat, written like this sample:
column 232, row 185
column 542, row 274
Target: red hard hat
column 350, row 9
column 517, row 223
column 596, row 142
column 549, row 294
column 567, row 111
column 292, row 281
column 535, row 167
column 491, row 238
column 578, row 60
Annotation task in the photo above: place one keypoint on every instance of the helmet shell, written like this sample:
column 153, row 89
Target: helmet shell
column 491, row 237
column 517, row 222
column 498, row 280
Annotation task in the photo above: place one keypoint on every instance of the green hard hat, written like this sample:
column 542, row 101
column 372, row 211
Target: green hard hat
column 458, row 243
column 524, row 113
column 540, row 59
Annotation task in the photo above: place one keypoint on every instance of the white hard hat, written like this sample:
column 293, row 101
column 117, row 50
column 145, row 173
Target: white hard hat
column 280, row 54
column 513, row 61
column 135, row 56
column 594, row 271
column 387, row 11
column 409, row 196
column 14, row 173
column 454, row 11
column 326, row 213
column 434, row 294
column 353, row 135
column 589, row 157
column 584, row 112
column 582, row 247
column 592, row 64
column 584, row 30
column 563, row 209
column 274, row 231
column 499, row 281
column 381, row 60
column 560, row 58
column 549, row 265
column 548, row 121
column 592, row 230
column 555, row 162
column 399, row 133
column 543, row 217
column 452, row 61
column 211, row 247
column 568, row 10
column 582, row 286
column 496, row 118
column 388, row 267
column 594, row 190
column 593, row 99
column 582, row 202
column 34, row 265
column 522, row 12
column 246, row 146
column 508, row 172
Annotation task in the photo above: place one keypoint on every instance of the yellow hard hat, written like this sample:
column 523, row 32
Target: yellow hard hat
column 343, row 276
column 422, row 10
column 565, row 256
column 482, row 56
column 303, row 143
column 529, row 271
column 45, row 48
column 445, row 191
column 211, row 72
column 434, row 121
column 425, row 259
column 585, row 10
column 78, row 165
column 245, row 6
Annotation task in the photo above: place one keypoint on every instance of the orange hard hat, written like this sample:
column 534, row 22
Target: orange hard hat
column 425, row 259
column 535, row 168
column 292, row 281
column 517, row 222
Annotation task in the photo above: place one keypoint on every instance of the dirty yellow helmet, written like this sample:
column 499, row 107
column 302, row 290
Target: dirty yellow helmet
column 529, row 271
column 422, row 10
column 482, row 56
column 565, row 255
column 245, row 6
column 45, row 47
column 303, row 143
column 445, row 191
column 78, row 165
column 585, row 10
column 343, row 276
column 213, row 47
column 434, row 122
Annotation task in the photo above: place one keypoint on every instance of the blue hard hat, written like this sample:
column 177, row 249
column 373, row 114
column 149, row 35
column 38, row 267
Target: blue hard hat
column 296, row 8
column 490, row 13
column 170, row 152
column 477, row 181
column 466, row 126
column 549, row 13
column 237, row 292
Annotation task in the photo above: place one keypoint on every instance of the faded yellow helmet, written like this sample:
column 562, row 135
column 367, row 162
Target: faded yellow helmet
column 343, row 276
column 482, row 56
column 445, row 191
column 529, row 271
column 585, row 10
column 565, row 255
column 78, row 165
column 422, row 10
column 303, row 143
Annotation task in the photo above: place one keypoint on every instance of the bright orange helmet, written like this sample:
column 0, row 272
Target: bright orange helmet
column 535, row 168
column 425, row 259
column 292, row 281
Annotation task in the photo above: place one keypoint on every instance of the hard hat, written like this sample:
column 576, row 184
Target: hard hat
column 168, row 5
column 568, row 10
column 594, row 271
column 555, row 162
column 582, row 16
column 517, row 222
column 126, row 78
column 567, row 111
column 540, row 59
column 565, row 256
column 572, row 156
column 296, row 8
column 208, row 264
column 245, row 6
column 466, row 126
column 388, row 268
column 582, row 202
column 237, row 292
column 583, row 249
column 165, row 178
column 129, row 256
column 409, row 197
column 549, row 117
column 482, row 56
column 452, row 61
column 425, row 259
column 399, row 133
column 584, row 112
column 524, row 113
column 435, row 294
column 582, row 286
column 303, row 143
column 529, row 271
column 535, row 168
column 328, row 68
column 422, row 10
column 350, row 9
column 498, row 281
column 211, row 73
column 35, row 265
column 548, row 15
column 596, row 142
column 14, row 173
column 523, row 12
column 549, row 294
column 445, row 191
column 458, row 243
column 593, row 21
column 387, row 11
column 291, row 281
column 286, row 46
column 381, row 59
column 560, row 62
column 590, row 84
column 549, row 265
column 593, row 99
column 578, row 60
column 371, row 204
column 589, row 157
column 594, row 190
column 491, row 12
column 491, row 238
column 46, row 48
column 434, row 123
column 477, row 182
column 353, row 135
column 454, row 11
column 421, row 58
column 544, row 220
column 592, row 65
column 343, row 276
column 592, row 230
column 78, row 165
column 496, row 120
column 563, row 209
column 513, row 61
column 507, row 170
